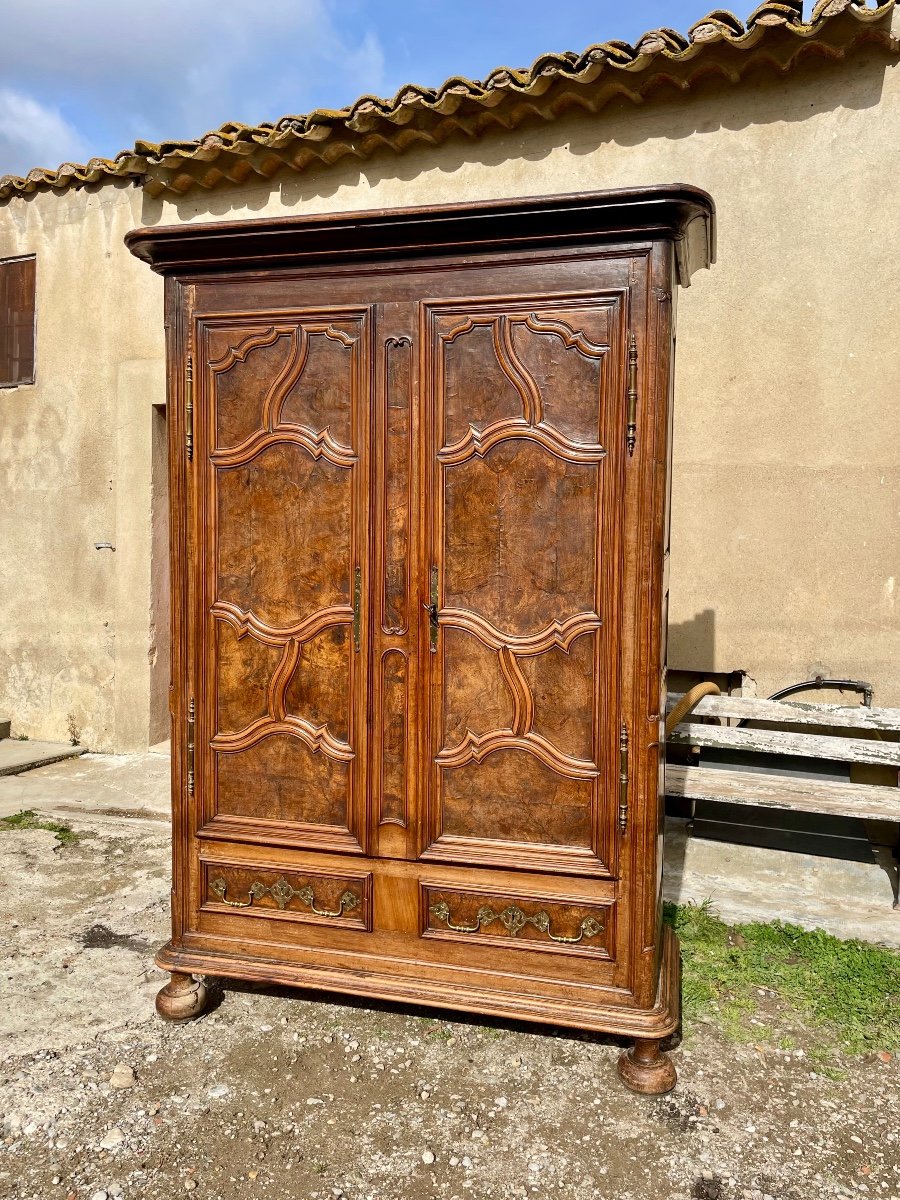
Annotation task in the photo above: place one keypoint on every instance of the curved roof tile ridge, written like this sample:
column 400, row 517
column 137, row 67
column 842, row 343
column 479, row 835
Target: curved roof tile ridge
column 506, row 97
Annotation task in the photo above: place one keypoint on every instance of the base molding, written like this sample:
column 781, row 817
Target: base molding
column 620, row 1020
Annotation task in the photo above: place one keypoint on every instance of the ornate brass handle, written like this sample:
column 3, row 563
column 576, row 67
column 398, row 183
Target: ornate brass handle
column 442, row 912
column 514, row 920
column 347, row 900
column 220, row 887
column 282, row 893
column 590, row 928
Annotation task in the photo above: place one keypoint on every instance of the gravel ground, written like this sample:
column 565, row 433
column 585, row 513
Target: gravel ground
column 278, row 1094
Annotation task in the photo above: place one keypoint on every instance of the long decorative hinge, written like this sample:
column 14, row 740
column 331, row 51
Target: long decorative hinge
column 357, row 598
column 189, row 407
column 623, row 778
column 632, row 396
column 190, row 747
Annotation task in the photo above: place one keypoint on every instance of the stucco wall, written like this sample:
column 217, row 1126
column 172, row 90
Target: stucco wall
column 75, row 470
column 786, row 496
column 786, row 523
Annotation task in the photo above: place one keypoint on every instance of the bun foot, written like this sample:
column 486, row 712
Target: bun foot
column 183, row 997
column 647, row 1069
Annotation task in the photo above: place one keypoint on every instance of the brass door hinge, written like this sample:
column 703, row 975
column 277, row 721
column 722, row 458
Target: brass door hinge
column 189, row 407
column 623, row 778
column 190, row 747
column 632, row 396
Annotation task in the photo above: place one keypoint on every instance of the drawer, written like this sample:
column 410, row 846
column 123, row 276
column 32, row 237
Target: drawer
column 341, row 899
column 555, row 924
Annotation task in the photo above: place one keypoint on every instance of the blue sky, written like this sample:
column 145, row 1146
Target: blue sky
column 86, row 77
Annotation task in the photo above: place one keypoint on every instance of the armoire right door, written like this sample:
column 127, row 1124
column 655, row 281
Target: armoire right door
column 524, row 452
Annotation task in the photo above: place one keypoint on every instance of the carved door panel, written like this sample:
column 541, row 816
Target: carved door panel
column 282, row 522
column 525, row 448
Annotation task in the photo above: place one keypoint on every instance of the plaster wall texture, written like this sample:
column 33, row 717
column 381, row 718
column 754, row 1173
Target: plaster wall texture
column 786, row 490
column 75, row 470
column 786, row 495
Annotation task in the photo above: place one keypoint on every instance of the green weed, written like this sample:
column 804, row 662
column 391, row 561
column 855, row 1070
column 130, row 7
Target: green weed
column 30, row 820
column 849, row 992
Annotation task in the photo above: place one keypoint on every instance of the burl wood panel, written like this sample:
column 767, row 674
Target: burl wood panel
column 522, row 394
column 398, row 452
column 288, row 501
column 395, row 734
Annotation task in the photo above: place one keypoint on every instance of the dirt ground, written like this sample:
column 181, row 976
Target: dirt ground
column 274, row 1094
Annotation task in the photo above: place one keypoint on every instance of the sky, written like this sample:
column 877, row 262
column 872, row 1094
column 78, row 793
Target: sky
column 80, row 78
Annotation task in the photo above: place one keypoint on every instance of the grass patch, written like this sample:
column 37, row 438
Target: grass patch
column 30, row 820
column 848, row 991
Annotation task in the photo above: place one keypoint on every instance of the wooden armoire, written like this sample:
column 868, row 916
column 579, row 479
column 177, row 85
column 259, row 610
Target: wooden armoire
column 419, row 482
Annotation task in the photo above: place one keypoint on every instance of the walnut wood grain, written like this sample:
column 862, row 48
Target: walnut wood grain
column 520, row 512
column 427, row 402
column 287, row 502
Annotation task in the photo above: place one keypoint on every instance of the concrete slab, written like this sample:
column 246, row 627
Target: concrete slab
column 112, row 785
column 16, row 756
column 750, row 883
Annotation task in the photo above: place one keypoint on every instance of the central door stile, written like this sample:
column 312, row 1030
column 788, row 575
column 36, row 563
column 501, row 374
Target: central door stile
column 395, row 590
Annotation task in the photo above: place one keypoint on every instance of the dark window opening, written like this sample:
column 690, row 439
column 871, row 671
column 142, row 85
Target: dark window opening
column 17, row 283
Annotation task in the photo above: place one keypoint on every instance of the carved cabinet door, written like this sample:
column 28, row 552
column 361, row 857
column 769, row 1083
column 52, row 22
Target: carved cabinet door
column 525, row 453
column 282, row 534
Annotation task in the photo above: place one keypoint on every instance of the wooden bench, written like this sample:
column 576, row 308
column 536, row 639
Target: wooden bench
column 783, row 728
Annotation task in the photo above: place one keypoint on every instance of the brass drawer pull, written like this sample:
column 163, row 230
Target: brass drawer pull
column 347, row 901
column 220, row 887
column 514, row 920
column 282, row 893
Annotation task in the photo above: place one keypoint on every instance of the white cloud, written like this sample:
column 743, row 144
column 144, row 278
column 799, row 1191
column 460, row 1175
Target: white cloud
column 34, row 135
column 162, row 69
column 367, row 62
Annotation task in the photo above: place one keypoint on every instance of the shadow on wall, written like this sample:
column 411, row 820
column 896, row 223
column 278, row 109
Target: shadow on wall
column 692, row 644
column 667, row 114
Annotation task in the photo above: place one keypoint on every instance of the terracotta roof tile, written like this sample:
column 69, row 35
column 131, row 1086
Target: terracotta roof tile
column 775, row 32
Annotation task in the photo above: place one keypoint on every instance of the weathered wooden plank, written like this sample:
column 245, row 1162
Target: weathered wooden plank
column 777, row 741
column 784, row 712
column 828, row 796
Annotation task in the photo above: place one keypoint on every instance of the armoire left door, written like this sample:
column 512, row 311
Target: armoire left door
column 281, row 557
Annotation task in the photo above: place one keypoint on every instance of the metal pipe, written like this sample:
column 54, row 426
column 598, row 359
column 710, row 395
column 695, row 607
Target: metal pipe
column 815, row 685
